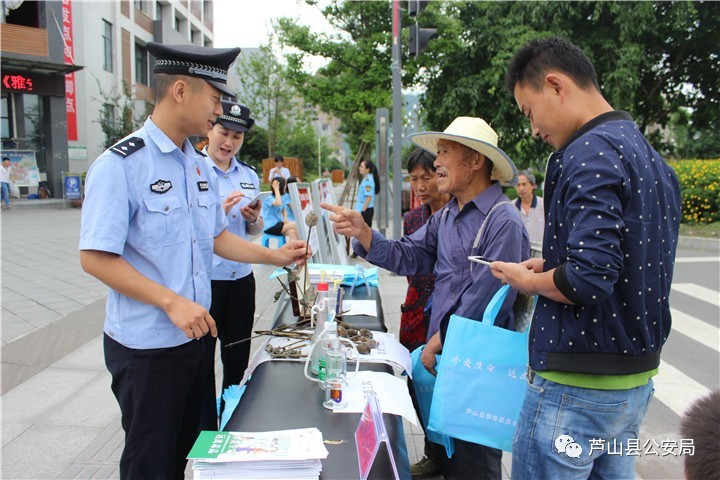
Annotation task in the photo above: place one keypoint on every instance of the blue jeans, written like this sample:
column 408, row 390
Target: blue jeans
column 6, row 193
column 573, row 433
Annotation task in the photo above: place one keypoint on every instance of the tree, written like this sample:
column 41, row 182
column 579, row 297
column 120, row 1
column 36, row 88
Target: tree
column 283, row 117
column 254, row 148
column 688, row 142
column 651, row 59
column 117, row 116
column 265, row 89
column 357, row 79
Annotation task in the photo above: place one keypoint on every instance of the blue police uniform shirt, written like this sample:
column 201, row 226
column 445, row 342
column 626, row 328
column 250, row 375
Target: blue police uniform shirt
column 158, row 208
column 367, row 189
column 239, row 177
column 272, row 214
column 288, row 207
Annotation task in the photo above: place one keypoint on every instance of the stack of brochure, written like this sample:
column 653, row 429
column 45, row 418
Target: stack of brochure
column 290, row 454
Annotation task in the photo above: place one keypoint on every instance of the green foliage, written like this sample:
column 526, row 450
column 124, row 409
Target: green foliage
column 254, row 148
column 283, row 118
column 274, row 103
column 700, row 185
column 652, row 58
column 357, row 79
column 705, row 230
column 689, row 142
column 117, row 116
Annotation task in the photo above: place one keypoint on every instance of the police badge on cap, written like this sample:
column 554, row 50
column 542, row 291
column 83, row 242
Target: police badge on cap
column 235, row 117
column 210, row 64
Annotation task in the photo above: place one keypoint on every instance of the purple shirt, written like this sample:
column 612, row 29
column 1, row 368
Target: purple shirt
column 442, row 246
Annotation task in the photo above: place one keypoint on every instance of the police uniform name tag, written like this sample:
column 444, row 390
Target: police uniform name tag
column 247, row 186
column 203, row 186
column 161, row 186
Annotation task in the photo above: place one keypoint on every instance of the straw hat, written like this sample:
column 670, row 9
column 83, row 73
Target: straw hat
column 477, row 134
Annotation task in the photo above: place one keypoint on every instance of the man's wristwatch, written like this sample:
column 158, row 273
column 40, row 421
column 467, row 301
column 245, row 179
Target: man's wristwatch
column 254, row 222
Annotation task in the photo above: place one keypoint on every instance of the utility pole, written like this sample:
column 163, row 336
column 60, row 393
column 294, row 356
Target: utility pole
column 397, row 119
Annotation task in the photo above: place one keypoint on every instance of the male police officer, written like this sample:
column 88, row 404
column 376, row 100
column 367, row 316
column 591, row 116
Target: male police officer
column 150, row 223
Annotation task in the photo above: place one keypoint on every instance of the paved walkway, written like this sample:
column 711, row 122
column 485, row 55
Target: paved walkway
column 59, row 416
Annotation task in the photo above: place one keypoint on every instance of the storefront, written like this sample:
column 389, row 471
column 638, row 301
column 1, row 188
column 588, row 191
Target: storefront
column 34, row 110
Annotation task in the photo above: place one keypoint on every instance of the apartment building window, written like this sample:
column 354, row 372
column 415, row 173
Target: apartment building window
column 141, row 5
column 5, row 118
column 109, row 114
column 34, row 138
column 107, row 46
column 176, row 24
column 141, row 65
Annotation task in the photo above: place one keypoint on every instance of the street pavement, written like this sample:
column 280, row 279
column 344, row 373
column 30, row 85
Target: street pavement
column 59, row 416
column 60, row 419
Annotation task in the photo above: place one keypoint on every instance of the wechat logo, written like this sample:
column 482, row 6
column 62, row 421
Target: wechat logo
column 566, row 444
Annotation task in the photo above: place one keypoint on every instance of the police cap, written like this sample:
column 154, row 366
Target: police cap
column 235, row 117
column 210, row 64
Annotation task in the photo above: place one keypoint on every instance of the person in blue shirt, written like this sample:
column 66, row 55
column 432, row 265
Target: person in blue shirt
column 275, row 214
column 286, row 199
column 369, row 187
column 233, row 283
column 5, row 170
column 613, row 211
column 151, row 221
column 478, row 220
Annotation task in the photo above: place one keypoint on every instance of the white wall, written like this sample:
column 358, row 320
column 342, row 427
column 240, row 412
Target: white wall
column 88, row 29
column 88, row 46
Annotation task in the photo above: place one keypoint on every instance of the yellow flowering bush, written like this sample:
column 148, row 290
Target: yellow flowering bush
column 700, row 186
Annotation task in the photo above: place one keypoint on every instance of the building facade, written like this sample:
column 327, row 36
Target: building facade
column 35, row 69
column 104, row 43
column 111, row 46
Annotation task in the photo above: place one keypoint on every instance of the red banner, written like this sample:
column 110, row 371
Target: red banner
column 70, row 100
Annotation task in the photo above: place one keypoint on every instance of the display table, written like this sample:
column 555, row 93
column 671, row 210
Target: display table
column 285, row 315
column 279, row 397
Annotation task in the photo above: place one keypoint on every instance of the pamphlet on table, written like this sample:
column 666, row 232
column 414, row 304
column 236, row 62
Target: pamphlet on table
column 278, row 454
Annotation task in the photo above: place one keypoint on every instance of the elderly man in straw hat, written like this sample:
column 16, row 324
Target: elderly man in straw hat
column 470, row 167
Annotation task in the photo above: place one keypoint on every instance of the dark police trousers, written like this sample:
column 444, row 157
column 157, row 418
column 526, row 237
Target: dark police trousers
column 159, row 391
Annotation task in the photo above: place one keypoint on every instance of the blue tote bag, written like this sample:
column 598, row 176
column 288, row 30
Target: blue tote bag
column 424, row 386
column 481, row 380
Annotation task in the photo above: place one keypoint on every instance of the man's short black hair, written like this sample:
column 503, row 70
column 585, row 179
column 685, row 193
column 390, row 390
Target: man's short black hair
column 6, row 158
column 421, row 158
column 279, row 158
column 532, row 62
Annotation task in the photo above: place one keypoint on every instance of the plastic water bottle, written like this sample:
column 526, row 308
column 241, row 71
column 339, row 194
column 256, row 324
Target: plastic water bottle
column 322, row 317
column 335, row 378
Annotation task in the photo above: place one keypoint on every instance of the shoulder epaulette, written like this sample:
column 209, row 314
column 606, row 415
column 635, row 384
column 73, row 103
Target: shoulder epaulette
column 128, row 146
column 200, row 152
column 247, row 165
